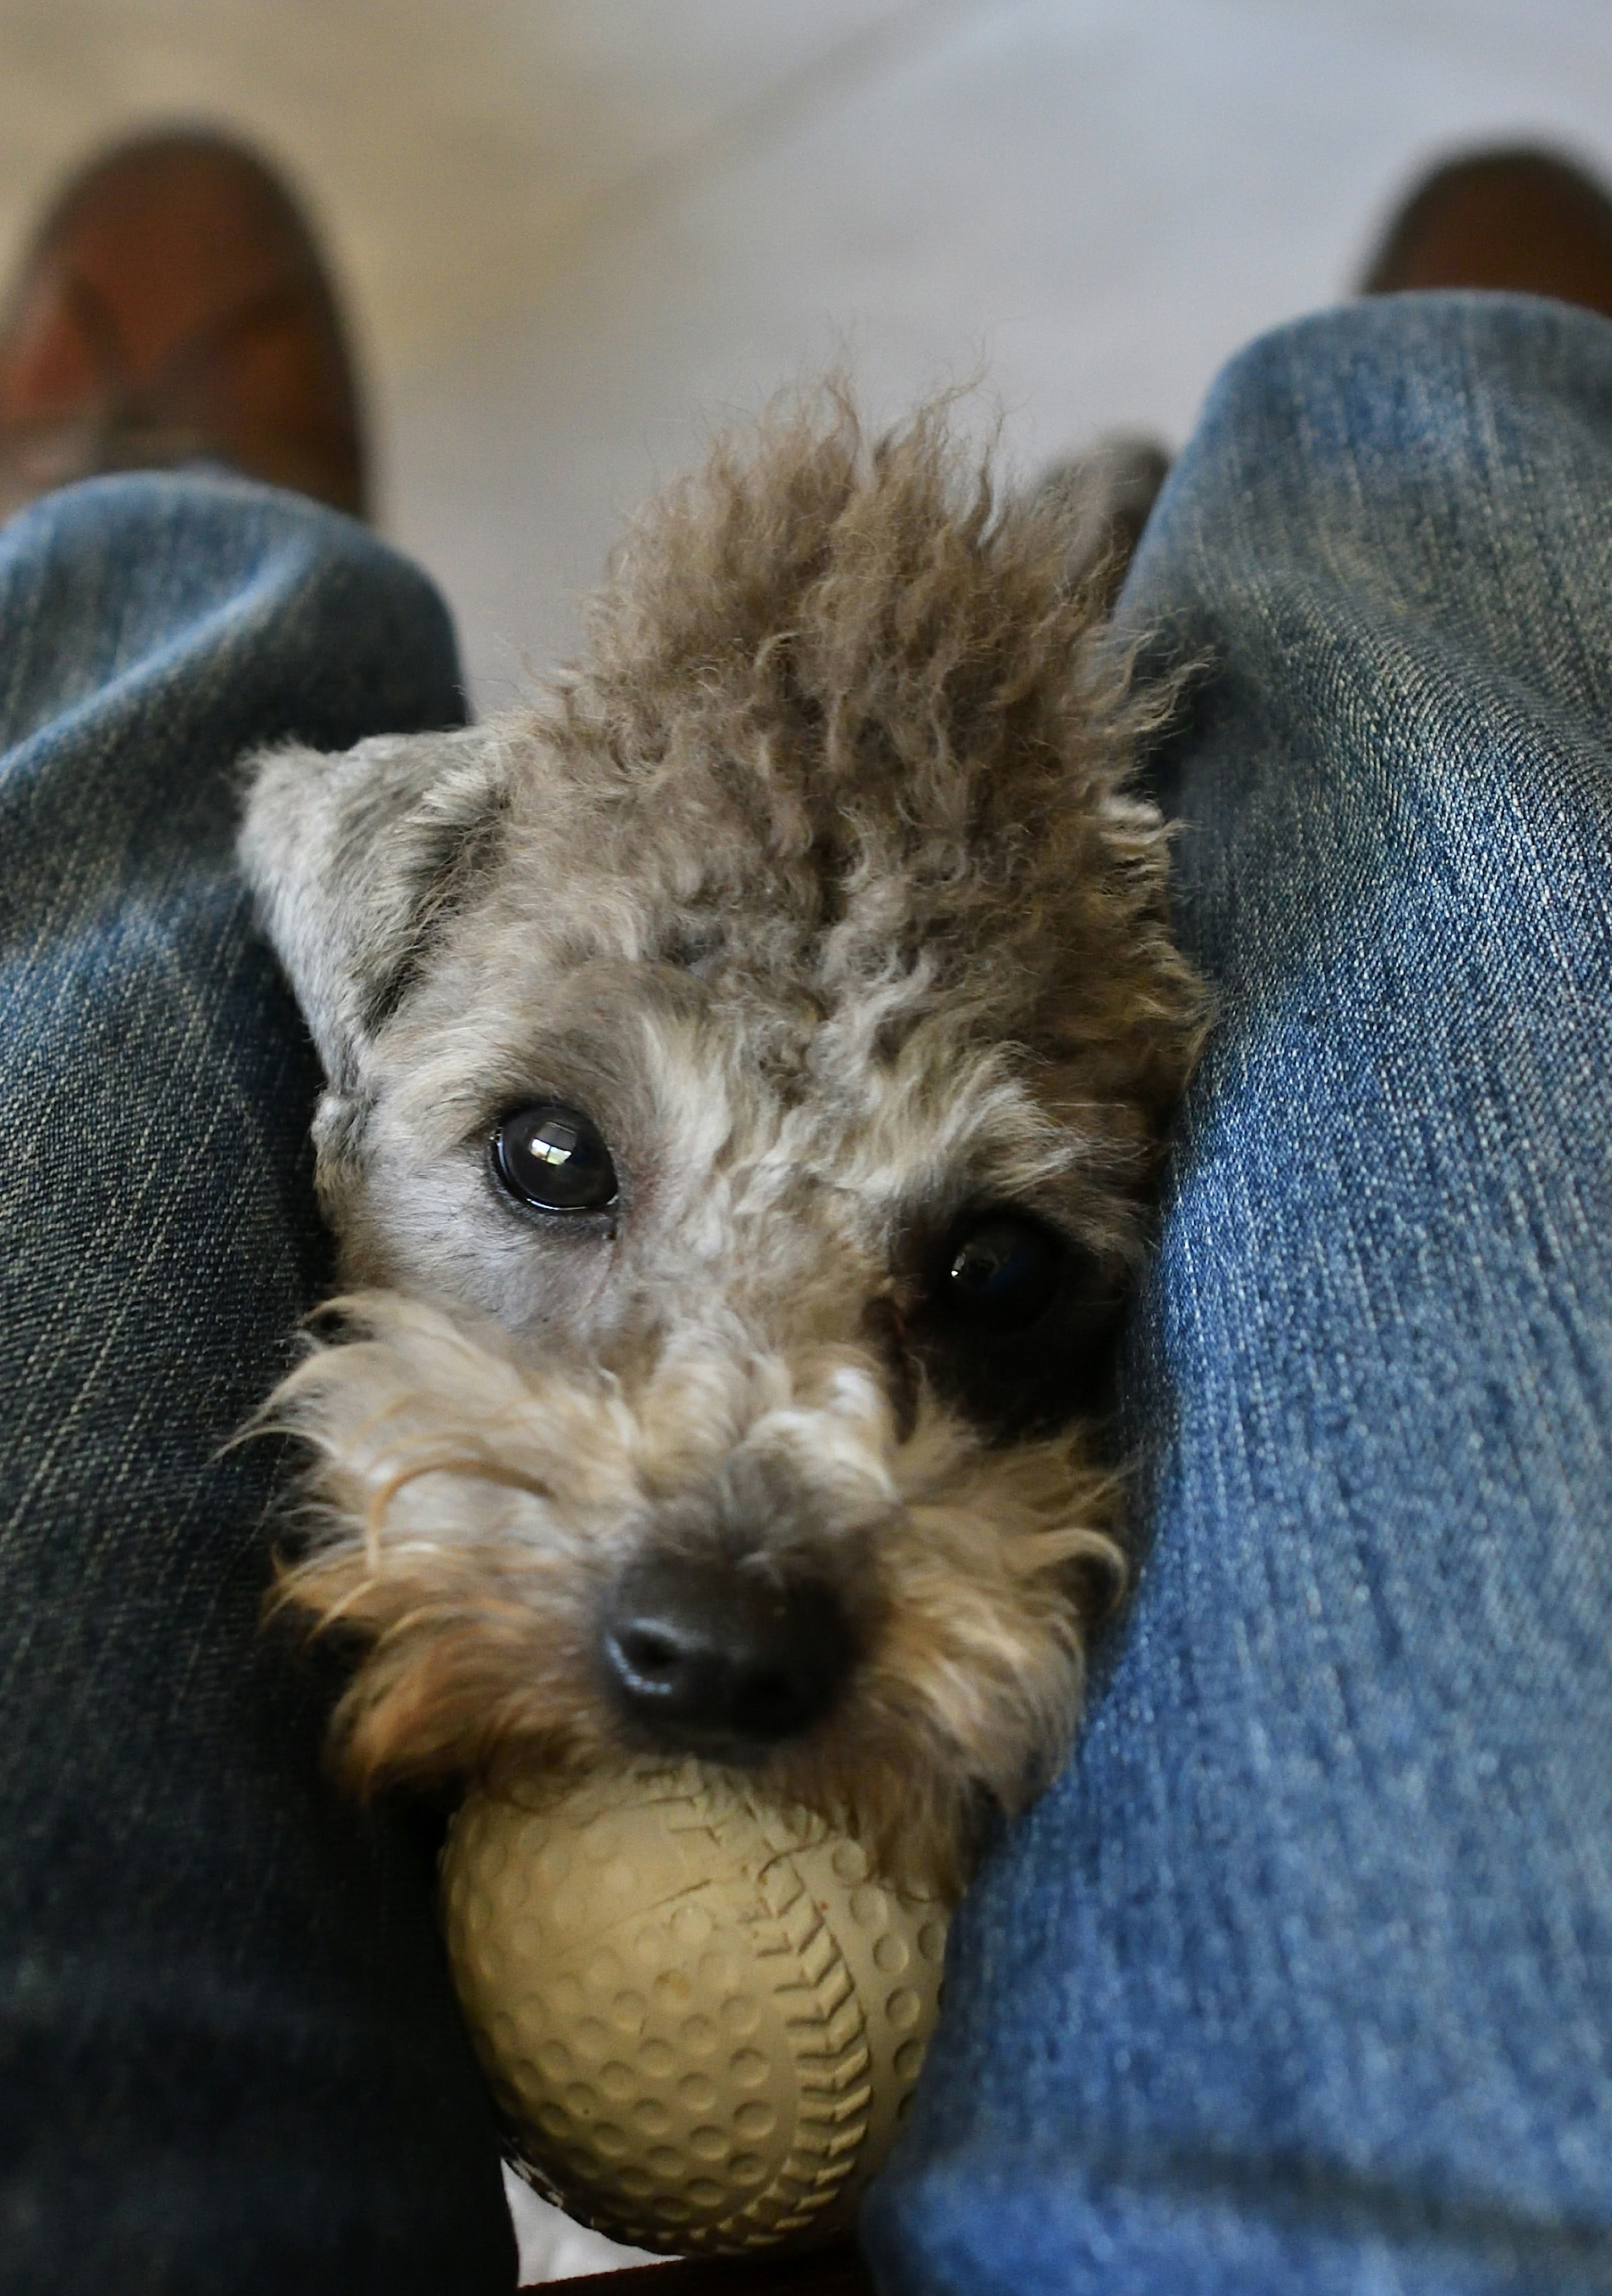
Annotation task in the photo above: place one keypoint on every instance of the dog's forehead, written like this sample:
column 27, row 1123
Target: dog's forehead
column 785, row 1102
column 756, row 1078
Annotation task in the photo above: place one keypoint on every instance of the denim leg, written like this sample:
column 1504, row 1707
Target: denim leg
column 229, row 2055
column 1300, row 1981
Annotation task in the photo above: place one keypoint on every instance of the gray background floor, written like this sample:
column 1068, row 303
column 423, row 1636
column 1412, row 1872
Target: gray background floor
column 574, row 233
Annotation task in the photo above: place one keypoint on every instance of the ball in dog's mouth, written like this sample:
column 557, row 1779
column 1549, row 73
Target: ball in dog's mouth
column 702, row 2017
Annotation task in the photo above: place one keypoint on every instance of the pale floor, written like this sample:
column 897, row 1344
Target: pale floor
column 577, row 234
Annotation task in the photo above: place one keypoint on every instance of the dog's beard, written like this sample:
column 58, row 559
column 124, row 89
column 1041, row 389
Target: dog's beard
column 467, row 1515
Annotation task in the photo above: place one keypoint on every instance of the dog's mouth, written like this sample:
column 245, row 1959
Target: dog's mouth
column 724, row 1661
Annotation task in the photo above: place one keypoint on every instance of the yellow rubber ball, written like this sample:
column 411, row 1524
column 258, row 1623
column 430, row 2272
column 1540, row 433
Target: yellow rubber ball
column 702, row 2018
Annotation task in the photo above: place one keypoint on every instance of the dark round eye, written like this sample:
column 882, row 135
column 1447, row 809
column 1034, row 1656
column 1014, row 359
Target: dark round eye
column 1002, row 1273
column 554, row 1158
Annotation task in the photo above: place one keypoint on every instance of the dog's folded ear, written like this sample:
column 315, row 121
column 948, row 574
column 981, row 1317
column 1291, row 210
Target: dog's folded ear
column 358, row 860
column 1103, row 497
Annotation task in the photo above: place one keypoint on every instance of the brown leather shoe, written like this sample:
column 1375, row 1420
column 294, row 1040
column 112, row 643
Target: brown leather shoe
column 173, row 309
column 1519, row 219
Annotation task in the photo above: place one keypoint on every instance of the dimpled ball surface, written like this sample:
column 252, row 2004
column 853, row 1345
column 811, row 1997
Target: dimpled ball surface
column 702, row 2019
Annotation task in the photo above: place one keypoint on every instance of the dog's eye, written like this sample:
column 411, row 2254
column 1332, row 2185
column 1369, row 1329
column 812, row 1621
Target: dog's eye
column 1002, row 1274
column 554, row 1158
column 1015, row 1323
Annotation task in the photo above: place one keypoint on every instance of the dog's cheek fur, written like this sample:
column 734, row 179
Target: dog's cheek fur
column 967, row 1704
column 459, row 1527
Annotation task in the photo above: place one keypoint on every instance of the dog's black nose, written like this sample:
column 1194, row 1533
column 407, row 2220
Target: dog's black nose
column 723, row 1659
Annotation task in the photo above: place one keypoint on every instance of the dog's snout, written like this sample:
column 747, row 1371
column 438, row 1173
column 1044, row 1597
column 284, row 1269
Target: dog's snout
column 722, row 1660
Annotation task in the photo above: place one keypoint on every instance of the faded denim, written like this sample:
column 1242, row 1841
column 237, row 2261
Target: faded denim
column 1300, row 1981
column 229, row 2057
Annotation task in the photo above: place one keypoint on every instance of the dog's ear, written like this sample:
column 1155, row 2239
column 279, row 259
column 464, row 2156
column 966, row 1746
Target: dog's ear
column 359, row 860
column 1102, row 498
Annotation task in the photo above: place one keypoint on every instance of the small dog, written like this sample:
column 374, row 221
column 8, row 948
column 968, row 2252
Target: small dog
column 748, row 1069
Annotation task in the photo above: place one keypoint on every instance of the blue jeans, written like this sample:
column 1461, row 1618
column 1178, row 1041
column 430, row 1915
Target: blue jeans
column 229, row 2058
column 1301, row 1979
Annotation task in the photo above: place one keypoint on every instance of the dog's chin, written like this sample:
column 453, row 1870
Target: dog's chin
column 726, row 1749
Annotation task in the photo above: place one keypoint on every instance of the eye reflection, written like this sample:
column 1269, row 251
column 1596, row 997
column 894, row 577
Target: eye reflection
column 554, row 1159
column 1002, row 1274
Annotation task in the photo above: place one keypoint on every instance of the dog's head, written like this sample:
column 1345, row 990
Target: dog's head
column 746, row 1074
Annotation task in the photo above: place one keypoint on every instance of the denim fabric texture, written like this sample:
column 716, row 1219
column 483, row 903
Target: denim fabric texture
column 1300, row 1981
column 229, row 2055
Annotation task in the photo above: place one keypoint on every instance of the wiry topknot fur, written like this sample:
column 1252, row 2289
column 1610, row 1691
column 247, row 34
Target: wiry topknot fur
column 863, row 675
column 819, row 885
